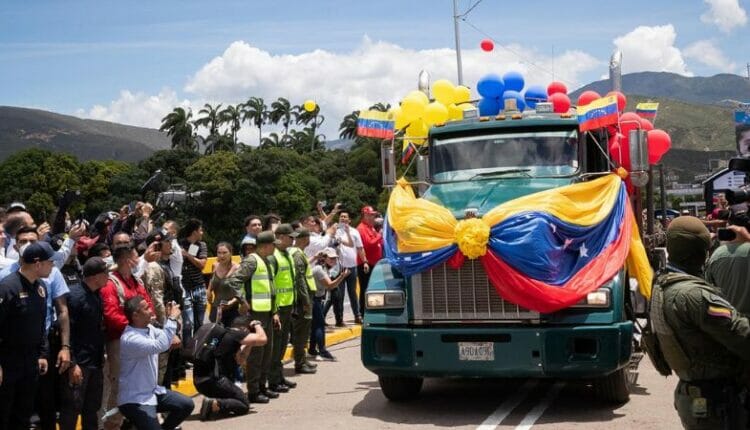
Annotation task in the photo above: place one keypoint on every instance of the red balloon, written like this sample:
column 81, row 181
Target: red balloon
column 560, row 102
column 646, row 124
column 659, row 143
column 621, row 100
column 619, row 150
column 487, row 45
column 629, row 121
column 587, row 97
column 556, row 87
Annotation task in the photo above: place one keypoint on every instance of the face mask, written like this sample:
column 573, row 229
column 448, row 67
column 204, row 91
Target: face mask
column 109, row 260
column 23, row 248
column 68, row 224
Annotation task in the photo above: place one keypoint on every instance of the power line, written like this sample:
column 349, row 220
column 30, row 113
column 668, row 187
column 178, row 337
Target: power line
column 463, row 15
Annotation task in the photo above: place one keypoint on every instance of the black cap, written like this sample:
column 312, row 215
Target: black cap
column 158, row 236
column 266, row 237
column 286, row 229
column 94, row 266
column 303, row 232
column 38, row 251
column 16, row 207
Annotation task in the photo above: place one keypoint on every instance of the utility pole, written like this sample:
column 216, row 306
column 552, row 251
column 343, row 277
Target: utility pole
column 748, row 71
column 458, row 44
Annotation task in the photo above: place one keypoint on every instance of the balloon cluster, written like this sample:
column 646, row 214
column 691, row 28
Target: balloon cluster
column 418, row 114
column 495, row 89
column 659, row 141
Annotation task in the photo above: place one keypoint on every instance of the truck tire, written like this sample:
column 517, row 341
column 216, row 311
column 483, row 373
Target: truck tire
column 400, row 388
column 613, row 388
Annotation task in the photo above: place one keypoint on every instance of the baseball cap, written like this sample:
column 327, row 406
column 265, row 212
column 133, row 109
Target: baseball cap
column 368, row 210
column 302, row 232
column 158, row 236
column 94, row 266
column 329, row 252
column 247, row 240
column 38, row 251
column 16, row 207
column 287, row 230
column 266, row 237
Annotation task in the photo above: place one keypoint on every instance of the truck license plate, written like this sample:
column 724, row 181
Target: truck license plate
column 476, row 351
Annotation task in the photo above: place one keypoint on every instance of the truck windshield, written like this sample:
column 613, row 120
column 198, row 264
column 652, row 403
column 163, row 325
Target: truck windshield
column 526, row 154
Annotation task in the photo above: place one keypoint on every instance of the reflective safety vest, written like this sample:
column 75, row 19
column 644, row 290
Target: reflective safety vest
column 308, row 269
column 283, row 279
column 260, row 286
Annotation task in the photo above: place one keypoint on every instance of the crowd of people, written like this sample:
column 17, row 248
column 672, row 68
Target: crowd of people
column 99, row 320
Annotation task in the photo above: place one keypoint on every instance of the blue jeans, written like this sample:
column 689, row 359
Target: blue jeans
column 350, row 284
column 177, row 406
column 198, row 299
column 318, row 332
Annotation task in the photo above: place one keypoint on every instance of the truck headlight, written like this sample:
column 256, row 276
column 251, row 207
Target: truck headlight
column 385, row 299
column 596, row 299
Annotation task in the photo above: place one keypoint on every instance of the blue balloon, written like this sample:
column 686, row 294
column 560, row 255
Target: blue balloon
column 520, row 103
column 491, row 86
column 489, row 106
column 513, row 81
column 535, row 94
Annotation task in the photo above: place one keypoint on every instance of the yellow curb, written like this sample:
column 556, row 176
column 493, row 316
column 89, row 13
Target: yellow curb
column 187, row 388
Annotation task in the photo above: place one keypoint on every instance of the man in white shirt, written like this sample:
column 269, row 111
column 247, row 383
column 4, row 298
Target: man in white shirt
column 350, row 247
column 140, row 396
column 319, row 238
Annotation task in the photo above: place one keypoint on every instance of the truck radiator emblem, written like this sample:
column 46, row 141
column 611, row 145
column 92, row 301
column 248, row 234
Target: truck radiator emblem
column 442, row 293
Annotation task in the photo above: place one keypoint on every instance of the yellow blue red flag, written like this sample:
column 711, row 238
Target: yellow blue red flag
column 597, row 114
column 373, row 123
column 647, row 110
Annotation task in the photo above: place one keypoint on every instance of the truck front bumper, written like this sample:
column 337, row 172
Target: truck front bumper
column 532, row 351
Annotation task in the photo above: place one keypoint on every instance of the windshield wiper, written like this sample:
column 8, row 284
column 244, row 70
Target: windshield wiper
column 501, row 173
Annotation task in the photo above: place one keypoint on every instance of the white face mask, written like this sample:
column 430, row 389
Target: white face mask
column 109, row 260
column 22, row 249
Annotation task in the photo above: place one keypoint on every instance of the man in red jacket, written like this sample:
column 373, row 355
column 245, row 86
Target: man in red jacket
column 121, row 286
column 372, row 242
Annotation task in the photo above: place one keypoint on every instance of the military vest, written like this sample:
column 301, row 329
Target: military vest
column 308, row 270
column 284, row 279
column 260, row 286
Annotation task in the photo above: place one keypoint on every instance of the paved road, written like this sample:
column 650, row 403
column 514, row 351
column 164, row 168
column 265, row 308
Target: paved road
column 344, row 395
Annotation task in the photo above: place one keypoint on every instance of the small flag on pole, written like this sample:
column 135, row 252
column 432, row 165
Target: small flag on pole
column 407, row 151
column 597, row 114
column 373, row 123
column 647, row 110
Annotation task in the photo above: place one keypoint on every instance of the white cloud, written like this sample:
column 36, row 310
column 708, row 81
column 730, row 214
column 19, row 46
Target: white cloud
column 338, row 82
column 706, row 52
column 651, row 49
column 725, row 14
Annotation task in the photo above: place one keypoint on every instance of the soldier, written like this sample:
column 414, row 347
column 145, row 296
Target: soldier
column 702, row 338
column 304, row 284
column 253, row 282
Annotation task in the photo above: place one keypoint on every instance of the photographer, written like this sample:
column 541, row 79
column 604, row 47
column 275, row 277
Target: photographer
column 325, row 260
column 213, row 378
column 729, row 265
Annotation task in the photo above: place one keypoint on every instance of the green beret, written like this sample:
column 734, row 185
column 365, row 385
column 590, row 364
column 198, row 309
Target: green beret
column 688, row 240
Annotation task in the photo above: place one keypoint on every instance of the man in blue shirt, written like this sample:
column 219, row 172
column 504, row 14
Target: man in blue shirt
column 140, row 396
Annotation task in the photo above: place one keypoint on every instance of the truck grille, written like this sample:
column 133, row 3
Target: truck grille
column 442, row 293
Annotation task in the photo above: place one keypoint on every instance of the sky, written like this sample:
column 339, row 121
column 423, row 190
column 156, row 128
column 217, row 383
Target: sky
column 132, row 62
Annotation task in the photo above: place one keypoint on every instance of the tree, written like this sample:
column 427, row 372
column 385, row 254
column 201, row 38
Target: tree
column 232, row 115
column 219, row 142
column 273, row 140
column 210, row 118
column 381, row 107
column 306, row 140
column 348, row 126
column 281, row 112
column 255, row 111
column 177, row 125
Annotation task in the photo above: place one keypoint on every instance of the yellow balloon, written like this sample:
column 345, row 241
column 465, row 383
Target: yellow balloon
column 466, row 106
column 435, row 113
column 417, row 132
column 461, row 94
column 412, row 108
column 398, row 117
column 443, row 91
column 309, row 105
column 455, row 113
column 420, row 95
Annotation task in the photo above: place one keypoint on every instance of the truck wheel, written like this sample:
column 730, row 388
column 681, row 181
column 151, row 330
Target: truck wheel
column 400, row 389
column 613, row 388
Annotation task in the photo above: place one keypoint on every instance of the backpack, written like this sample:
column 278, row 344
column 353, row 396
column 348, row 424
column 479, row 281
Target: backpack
column 200, row 349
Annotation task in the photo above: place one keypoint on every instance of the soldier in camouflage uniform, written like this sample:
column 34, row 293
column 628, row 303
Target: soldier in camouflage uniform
column 702, row 338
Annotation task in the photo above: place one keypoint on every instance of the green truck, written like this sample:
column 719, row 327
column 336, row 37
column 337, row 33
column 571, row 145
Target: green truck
column 452, row 323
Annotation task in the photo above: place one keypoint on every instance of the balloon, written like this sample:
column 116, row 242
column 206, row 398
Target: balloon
column 399, row 118
column 587, row 97
column 444, row 91
column 487, row 45
column 466, row 106
column 513, row 81
column 491, row 86
column 535, row 94
column 560, row 102
column 489, row 107
column 646, row 124
column 417, row 132
column 556, row 87
column 455, row 113
column 520, row 104
column 412, row 108
column 461, row 94
column 420, row 95
column 309, row 105
column 619, row 150
column 622, row 101
column 659, row 143
column 629, row 121
column 435, row 113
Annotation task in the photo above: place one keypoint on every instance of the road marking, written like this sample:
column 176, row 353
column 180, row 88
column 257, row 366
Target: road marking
column 536, row 412
column 507, row 406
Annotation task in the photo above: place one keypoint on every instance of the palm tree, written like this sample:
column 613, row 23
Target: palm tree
column 255, row 111
column 307, row 140
column 177, row 125
column 348, row 126
column 219, row 142
column 381, row 107
column 232, row 115
column 273, row 140
column 282, row 112
column 210, row 118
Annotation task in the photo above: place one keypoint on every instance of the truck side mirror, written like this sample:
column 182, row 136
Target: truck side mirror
column 638, row 157
column 388, row 164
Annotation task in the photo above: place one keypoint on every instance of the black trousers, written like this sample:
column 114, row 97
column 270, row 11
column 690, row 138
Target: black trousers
column 48, row 392
column 232, row 401
column 17, row 393
column 84, row 399
column 364, row 279
column 259, row 360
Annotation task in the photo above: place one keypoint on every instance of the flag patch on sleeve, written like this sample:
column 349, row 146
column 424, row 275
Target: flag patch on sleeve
column 718, row 311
